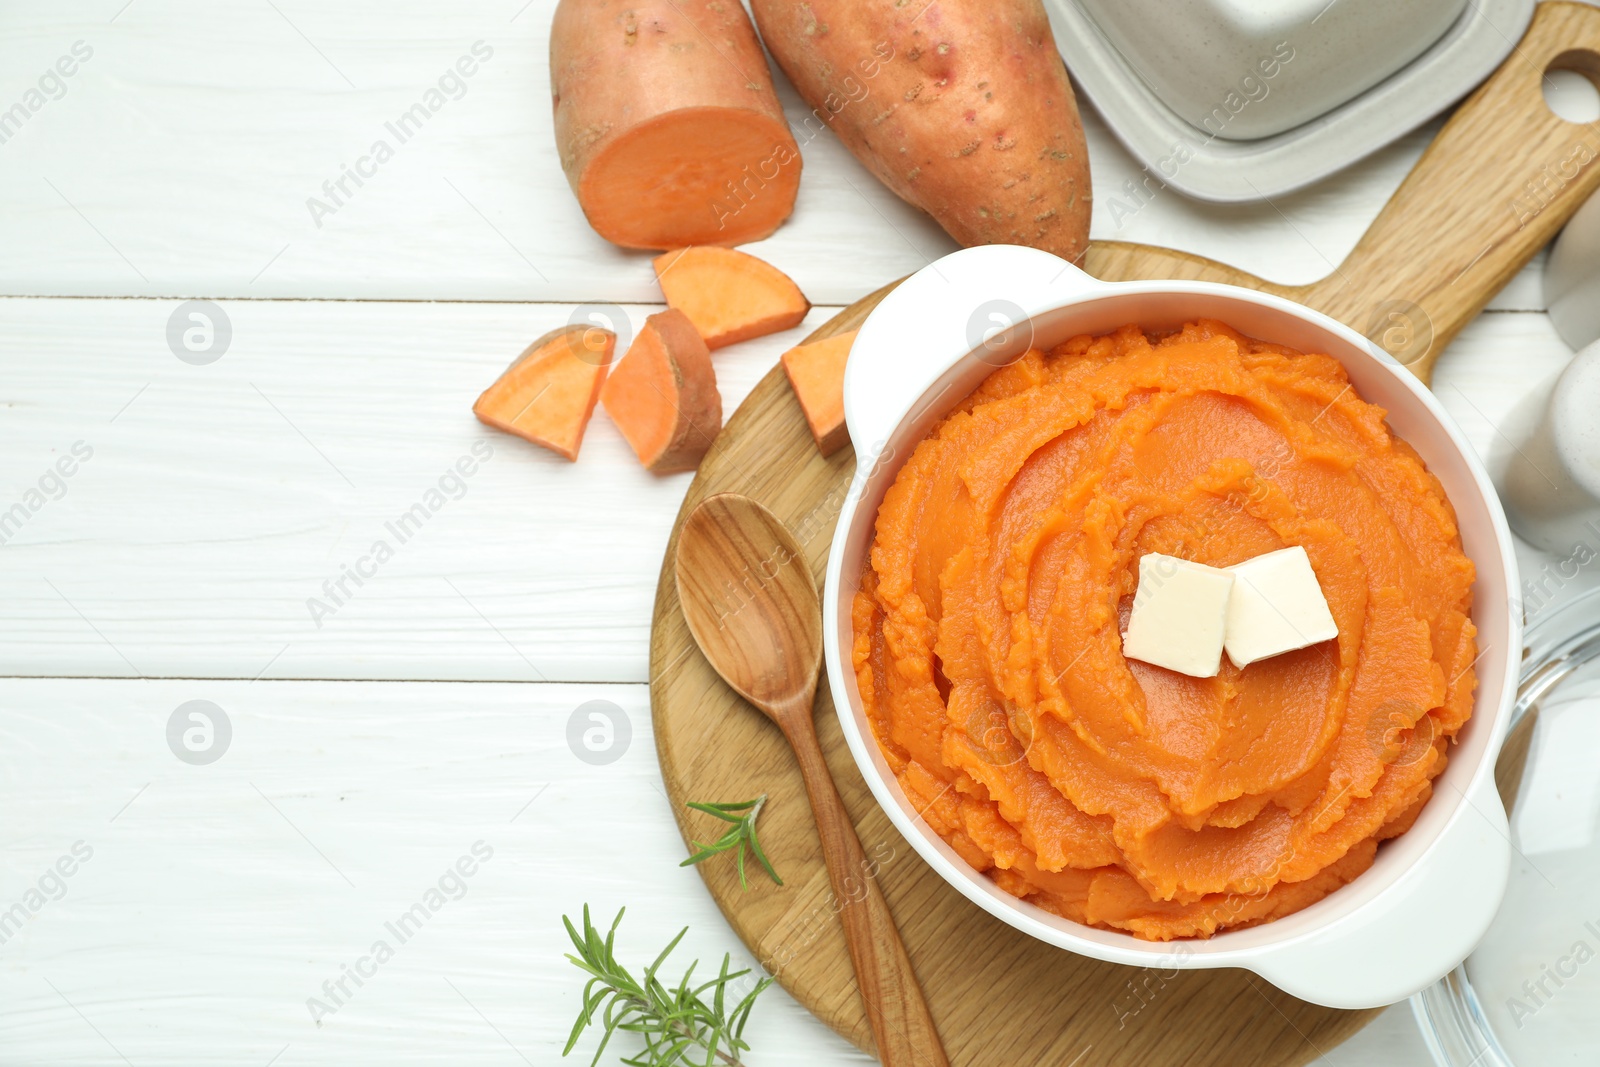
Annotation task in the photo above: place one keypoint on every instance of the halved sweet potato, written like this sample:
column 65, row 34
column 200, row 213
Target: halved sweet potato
column 667, row 124
column 548, row 393
column 663, row 395
column 729, row 295
column 816, row 374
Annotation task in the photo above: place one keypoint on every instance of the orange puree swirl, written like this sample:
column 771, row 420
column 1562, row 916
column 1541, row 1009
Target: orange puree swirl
column 1108, row 791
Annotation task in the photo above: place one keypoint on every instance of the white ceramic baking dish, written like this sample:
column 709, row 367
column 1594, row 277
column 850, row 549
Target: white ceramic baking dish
column 1432, row 891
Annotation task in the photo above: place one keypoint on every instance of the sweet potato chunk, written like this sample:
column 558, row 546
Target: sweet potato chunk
column 816, row 374
column 663, row 395
column 729, row 295
column 548, row 394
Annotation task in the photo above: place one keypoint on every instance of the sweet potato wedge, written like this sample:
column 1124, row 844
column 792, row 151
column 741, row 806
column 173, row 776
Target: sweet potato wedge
column 663, row 395
column 816, row 374
column 667, row 124
column 961, row 107
column 729, row 295
column 547, row 395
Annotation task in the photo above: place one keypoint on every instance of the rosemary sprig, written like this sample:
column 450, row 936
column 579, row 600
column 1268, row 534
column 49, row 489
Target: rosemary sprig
column 678, row 1025
column 742, row 814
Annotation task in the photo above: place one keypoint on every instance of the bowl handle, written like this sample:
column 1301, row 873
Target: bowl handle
column 1419, row 930
column 978, row 297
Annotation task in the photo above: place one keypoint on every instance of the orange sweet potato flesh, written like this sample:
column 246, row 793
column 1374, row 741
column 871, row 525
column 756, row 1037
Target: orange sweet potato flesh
column 663, row 395
column 548, row 394
column 666, row 122
column 961, row 107
column 816, row 374
column 729, row 295
column 1118, row 794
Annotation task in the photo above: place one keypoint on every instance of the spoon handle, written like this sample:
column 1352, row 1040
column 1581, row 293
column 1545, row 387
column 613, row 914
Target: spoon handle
column 901, row 1025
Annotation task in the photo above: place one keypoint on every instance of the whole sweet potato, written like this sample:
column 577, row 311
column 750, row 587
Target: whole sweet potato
column 961, row 107
column 666, row 122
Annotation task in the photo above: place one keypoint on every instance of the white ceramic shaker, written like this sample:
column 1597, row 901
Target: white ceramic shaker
column 1546, row 466
column 1572, row 277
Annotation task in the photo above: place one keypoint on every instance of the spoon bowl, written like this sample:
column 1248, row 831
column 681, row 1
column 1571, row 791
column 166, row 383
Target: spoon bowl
column 751, row 603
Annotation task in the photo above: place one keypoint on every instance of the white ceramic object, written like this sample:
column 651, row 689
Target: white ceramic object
column 1572, row 277
column 1432, row 891
column 1546, row 459
column 1291, row 60
column 1205, row 161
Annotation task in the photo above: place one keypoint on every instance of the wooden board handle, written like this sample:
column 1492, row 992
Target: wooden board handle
column 902, row 1027
column 1501, row 178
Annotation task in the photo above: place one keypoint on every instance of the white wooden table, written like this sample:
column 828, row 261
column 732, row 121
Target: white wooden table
column 427, row 714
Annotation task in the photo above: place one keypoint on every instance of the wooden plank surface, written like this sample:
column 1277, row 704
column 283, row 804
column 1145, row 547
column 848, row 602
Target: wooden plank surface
column 220, row 498
column 217, row 899
column 180, row 158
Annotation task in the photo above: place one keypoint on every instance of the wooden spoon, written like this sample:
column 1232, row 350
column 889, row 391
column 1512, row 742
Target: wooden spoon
column 753, row 609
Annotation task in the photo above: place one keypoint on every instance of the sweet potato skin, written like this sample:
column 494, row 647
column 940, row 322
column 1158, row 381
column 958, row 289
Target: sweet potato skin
column 961, row 107
column 622, row 67
column 697, row 404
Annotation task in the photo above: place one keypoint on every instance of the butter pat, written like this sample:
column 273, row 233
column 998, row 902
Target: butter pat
column 1276, row 607
column 1180, row 615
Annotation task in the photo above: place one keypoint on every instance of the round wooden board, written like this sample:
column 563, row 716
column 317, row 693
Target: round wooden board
column 998, row 996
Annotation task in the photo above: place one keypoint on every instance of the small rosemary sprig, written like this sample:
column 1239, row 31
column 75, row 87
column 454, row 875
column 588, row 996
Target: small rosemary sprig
column 678, row 1025
column 742, row 814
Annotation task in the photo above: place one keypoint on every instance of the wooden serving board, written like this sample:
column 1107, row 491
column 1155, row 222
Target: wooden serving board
column 1446, row 242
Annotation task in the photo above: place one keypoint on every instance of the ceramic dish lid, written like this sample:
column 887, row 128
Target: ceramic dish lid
column 1530, row 993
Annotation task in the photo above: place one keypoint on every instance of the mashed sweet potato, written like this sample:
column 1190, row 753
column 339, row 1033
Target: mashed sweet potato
column 1115, row 793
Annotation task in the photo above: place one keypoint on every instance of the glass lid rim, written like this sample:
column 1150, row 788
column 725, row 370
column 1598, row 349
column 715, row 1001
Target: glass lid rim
column 1448, row 1012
